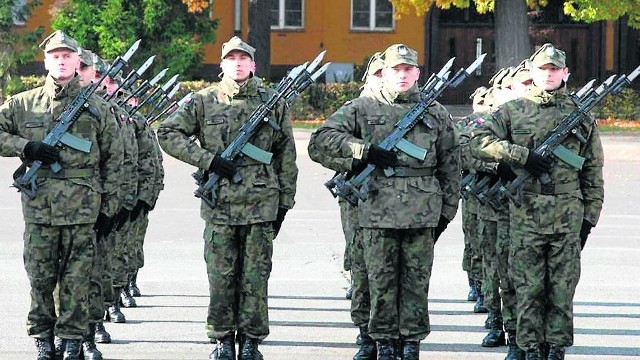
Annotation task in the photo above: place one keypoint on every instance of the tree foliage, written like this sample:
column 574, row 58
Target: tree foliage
column 596, row 10
column 173, row 30
column 17, row 46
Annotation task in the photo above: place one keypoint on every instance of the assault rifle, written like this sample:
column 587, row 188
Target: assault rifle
column 59, row 135
column 144, row 87
column 131, row 78
column 173, row 105
column 356, row 187
column 287, row 90
column 552, row 146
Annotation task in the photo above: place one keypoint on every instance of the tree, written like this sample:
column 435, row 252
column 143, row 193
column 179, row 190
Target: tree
column 16, row 45
column 260, row 36
column 173, row 30
column 511, row 22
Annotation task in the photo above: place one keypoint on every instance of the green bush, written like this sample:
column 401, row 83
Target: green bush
column 624, row 106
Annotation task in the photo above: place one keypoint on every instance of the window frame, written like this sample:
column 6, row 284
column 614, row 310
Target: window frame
column 372, row 19
column 281, row 17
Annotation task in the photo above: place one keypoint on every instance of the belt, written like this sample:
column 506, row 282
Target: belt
column 552, row 189
column 411, row 172
column 66, row 173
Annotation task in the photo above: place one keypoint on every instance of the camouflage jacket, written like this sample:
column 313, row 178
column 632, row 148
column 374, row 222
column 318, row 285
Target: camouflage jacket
column 146, row 179
column 73, row 199
column 398, row 202
column 519, row 126
column 215, row 116
column 159, row 169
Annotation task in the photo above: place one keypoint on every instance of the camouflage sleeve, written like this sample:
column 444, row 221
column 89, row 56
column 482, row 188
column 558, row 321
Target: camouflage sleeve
column 490, row 141
column 284, row 160
column 146, row 163
column 111, row 159
column 10, row 145
column 591, row 179
column 338, row 137
column 174, row 133
column 448, row 166
column 339, row 164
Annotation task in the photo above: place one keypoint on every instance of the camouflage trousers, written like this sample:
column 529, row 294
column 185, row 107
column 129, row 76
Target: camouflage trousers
column 97, row 293
column 60, row 255
column 120, row 254
column 136, row 243
column 349, row 221
column 545, row 269
column 472, row 255
column 238, row 262
column 399, row 263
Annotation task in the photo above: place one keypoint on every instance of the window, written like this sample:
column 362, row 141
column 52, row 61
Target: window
column 18, row 12
column 371, row 15
column 287, row 14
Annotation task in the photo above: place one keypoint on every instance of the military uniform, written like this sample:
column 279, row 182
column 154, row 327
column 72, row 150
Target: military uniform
column 59, row 238
column 239, row 231
column 401, row 212
column 545, row 242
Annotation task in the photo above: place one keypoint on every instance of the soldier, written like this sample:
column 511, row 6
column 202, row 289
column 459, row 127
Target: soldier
column 72, row 207
column 404, row 214
column 354, row 252
column 554, row 219
column 240, row 229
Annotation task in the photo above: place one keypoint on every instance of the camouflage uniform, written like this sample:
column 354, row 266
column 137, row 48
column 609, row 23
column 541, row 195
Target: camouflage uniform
column 59, row 240
column 545, row 245
column 239, row 231
column 398, row 238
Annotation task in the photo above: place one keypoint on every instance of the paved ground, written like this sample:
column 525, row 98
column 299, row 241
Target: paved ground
column 309, row 316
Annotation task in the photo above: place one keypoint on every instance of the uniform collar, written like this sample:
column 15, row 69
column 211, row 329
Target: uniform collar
column 232, row 89
column 546, row 98
column 58, row 91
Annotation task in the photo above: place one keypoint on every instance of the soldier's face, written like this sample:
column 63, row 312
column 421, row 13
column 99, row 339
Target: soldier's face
column 86, row 74
column 61, row 64
column 520, row 89
column 548, row 76
column 238, row 65
column 401, row 77
column 110, row 84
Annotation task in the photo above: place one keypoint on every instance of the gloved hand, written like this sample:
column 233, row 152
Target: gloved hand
column 103, row 226
column 121, row 218
column 357, row 166
column 442, row 224
column 282, row 212
column 140, row 207
column 537, row 165
column 381, row 157
column 585, row 230
column 505, row 172
column 223, row 167
column 37, row 150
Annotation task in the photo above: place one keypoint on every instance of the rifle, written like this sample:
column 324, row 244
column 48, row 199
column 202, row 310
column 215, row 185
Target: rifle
column 569, row 126
column 355, row 188
column 144, row 87
column 287, row 90
column 175, row 104
column 165, row 98
column 154, row 95
column 59, row 135
column 131, row 78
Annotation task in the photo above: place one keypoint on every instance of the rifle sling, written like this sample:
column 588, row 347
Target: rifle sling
column 552, row 189
column 408, row 172
column 66, row 173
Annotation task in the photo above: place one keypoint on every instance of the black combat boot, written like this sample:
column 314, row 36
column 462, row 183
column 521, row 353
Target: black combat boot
column 386, row 350
column 367, row 349
column 410, row 350
column 72, row 349
column 556, row 352
column 514, row 353
column 126, row 299
column 349, row 294
column 495, row 337
column 490, row 319
column 473, row 292
column 89, row 349
column 249, row 349
column 102, row 336
column 225, row 349
column 58, row 346
column 113, row 313
column 133, row 285
column 45, row 349
column 479, row 307
column 533, row 354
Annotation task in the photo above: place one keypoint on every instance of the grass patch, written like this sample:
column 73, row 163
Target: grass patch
column 616, row 125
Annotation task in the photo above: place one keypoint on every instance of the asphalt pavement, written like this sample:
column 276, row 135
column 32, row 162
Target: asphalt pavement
column 309, row 316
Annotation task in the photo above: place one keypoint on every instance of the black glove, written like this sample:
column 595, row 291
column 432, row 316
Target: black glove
column 585, row 230
column 223, row 167
column 103, row 226
column 505, row 172
column 282, row 212
column 442, row 224
column 381, row 157
column 140, row 207
column 537, row 165
column 121, row 218
column 357, row 166
column 37, row 150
